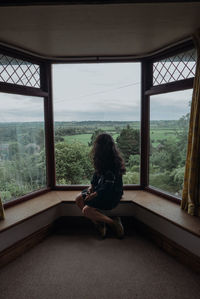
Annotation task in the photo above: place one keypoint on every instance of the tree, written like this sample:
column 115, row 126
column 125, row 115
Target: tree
column 134, row 160
column 133, row 164
column 178, row 176
column 21, row 175
column 128, row 142
column 13, row 150
column 167, row 155
column 59, row 139
column 40, row 138
column 94, row 136
column 73, row 165
column 131, row 178
column 182, row 136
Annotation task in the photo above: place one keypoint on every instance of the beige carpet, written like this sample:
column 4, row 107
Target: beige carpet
column 77, row 264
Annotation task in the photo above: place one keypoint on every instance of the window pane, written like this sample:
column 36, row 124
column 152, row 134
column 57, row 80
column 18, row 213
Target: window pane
column 169, row 125
column 22, row 149
column 174, row 68
column 93, row 98
column 18, row 71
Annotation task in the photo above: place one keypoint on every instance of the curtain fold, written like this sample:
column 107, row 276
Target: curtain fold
column 2, row 215
column 191, row 189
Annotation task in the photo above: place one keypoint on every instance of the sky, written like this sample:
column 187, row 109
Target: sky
column 105, row 92
column 97, row 91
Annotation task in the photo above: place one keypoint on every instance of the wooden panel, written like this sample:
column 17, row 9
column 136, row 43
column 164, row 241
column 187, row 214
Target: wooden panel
column 145, row 200
column 166, row 209
column 23, row 90
column 155, row 204
column 22, row 246
column 170, row 87
column 68, row 196
column 19, row 213
column 82, row 2
column 159, row 206
column 46, row 80
column 26, row 197
column 172, row 248
column 147, row 75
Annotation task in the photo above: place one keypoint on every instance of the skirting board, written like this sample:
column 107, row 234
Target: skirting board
column 175, row 239
column 130, row 223
column 22, row 246
column 175, row 250
column 70, row 209
column 163, row 226
column 178, row 252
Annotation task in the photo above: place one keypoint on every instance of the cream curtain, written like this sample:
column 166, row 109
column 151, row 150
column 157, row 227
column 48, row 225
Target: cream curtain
column 191, row 189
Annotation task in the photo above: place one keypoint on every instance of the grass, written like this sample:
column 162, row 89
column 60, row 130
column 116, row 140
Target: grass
column 82, row 138
column 155, row 135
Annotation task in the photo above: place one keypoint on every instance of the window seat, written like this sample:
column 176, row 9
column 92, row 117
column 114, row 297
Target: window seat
column 153, row 203
column 29, row 222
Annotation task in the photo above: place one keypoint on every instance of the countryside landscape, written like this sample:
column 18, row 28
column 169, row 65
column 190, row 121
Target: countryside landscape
column 22, row 153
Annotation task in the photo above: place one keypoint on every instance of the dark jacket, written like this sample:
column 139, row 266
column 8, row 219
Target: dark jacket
column 107, row 184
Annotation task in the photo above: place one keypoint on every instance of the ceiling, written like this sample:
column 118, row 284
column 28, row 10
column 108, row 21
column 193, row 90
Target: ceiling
column 97, row 30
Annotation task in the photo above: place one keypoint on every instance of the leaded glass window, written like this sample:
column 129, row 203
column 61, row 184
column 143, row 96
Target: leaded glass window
column 179, row 67
column 18, row 71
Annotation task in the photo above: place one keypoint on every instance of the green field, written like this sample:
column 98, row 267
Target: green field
column 83, row 138
column 22, row 147
column 155, row 135
column 160, row 134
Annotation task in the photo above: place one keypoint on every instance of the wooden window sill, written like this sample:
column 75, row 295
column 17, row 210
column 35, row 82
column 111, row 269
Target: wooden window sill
column 153, row 203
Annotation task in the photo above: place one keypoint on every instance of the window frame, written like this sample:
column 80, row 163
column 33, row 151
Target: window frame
column 44, row 92
column 97, row 60
column 150, row 90
column 147, row 89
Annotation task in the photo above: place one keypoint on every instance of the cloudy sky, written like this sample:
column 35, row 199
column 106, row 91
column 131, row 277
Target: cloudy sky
column 95, row 92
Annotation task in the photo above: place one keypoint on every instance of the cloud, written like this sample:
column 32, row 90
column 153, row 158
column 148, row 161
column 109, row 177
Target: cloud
column 18, row 108
column 98, row 116
column 170, row 106
column 95, row 92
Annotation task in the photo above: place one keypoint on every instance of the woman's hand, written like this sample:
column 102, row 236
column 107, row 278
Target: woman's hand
column 90, row 189
column 91, row 196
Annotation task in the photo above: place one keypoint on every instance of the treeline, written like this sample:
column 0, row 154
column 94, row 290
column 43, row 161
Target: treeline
column 88, row 127
column 22, row 160
column 97, row 123
column 22, row 155
column 167, row 159
column 74, row 164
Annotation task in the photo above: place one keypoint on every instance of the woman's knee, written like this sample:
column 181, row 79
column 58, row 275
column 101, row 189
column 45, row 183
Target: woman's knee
column 78, row 198
column 86, row 211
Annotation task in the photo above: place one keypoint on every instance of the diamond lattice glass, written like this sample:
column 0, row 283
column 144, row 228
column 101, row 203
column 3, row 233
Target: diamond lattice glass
column 175, row 68
column 20, row 72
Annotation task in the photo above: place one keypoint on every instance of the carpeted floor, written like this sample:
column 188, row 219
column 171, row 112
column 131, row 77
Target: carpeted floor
column 77, row 264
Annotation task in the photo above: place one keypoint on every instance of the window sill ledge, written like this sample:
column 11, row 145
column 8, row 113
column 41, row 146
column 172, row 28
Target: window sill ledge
column 146, row 200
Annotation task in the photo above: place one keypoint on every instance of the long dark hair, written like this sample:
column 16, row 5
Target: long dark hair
column 106, row 156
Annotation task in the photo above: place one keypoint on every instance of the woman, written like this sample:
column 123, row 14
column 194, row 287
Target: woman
column 106, row 187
